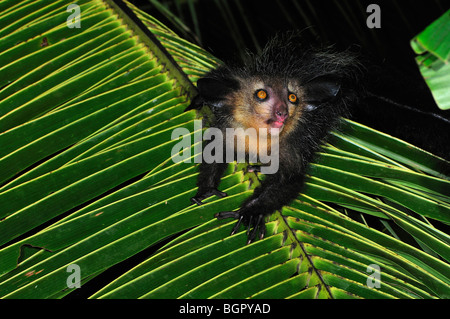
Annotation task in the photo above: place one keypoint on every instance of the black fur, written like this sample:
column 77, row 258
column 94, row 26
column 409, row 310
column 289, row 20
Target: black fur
column 331, row 82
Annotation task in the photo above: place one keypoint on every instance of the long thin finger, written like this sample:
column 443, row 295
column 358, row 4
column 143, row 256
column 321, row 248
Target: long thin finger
column 195, row 200
column 227, row 214
column 249, row 224
column 236, row 226
column 255, row 230
column 262, row 230
column 219, row 193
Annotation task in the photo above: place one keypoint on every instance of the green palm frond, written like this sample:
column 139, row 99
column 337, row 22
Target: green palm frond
column 87, row 179
column 433, row 49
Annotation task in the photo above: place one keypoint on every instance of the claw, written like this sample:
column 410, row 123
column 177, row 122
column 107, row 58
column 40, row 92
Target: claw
column 258, row 226
column 252, row 235
column 249, row 225
column 262, row 231
column 235, row 215
column 254, row 223
column 236, row 226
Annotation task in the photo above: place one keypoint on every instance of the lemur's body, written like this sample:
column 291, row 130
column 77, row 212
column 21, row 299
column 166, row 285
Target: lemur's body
column 300, row 91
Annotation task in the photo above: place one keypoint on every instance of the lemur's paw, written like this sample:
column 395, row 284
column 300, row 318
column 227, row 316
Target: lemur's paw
column 254, row 222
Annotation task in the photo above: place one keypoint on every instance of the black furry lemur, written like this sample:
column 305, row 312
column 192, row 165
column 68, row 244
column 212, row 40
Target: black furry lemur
column 297, row 89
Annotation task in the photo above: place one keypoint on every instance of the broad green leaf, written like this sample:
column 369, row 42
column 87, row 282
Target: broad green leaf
column 433, row 49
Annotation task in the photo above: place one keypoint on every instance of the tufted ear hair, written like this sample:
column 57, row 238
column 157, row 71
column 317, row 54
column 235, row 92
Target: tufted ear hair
column 213, row 92
column 321, row 89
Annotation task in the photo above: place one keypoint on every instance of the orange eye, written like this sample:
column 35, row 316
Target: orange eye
column 292, row 98
column 261, row 94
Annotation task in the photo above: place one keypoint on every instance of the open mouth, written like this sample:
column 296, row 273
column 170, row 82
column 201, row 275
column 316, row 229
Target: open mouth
column 273, row 123
column 277, row 124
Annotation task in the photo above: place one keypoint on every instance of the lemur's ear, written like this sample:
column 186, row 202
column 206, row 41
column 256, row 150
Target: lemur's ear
column 321, row 89
column 212, row 92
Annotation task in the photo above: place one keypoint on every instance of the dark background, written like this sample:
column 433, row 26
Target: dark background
column 386, row 53
column 228, row 28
